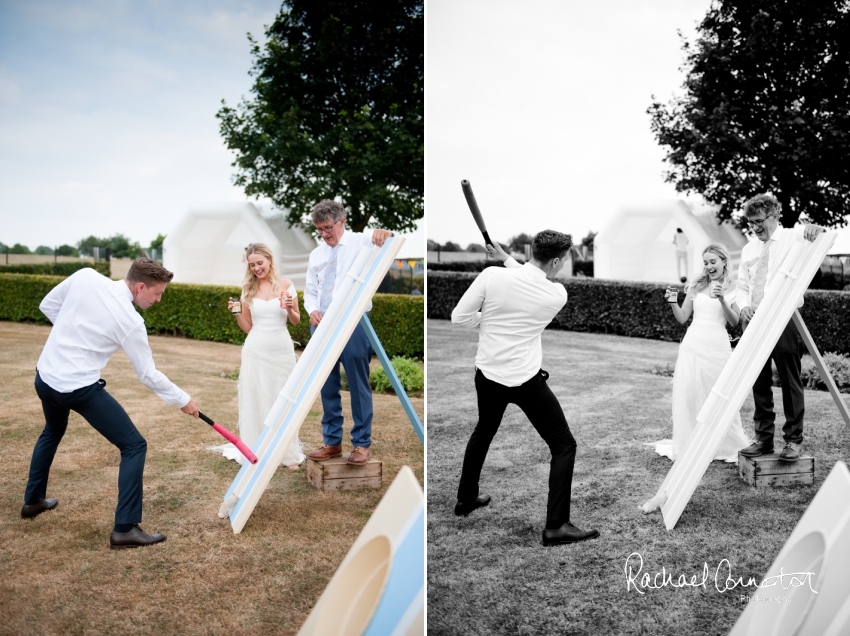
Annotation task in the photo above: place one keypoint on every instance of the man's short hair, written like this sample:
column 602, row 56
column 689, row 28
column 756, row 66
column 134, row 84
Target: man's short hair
column 327, row 210
column 149, row 272
column 550, row 244
column 763, row 203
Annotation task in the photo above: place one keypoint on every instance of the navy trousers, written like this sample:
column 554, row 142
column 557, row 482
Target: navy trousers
column 355, row 357
column 786, row 355
column 109, row 419
column 543, row 410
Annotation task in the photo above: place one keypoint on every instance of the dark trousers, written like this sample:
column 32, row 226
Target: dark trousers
column 786, row 355
column 109, row 419
column 355, row 357
column 540, row 405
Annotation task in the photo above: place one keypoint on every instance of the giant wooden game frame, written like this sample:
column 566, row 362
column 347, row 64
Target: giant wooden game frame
column 739, row 374
column 351, row 298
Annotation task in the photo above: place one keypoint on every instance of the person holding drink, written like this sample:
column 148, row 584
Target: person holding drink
column 704, row 351
column 267, row 304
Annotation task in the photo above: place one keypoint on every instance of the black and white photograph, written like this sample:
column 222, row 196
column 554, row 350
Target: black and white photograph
column 638, row 281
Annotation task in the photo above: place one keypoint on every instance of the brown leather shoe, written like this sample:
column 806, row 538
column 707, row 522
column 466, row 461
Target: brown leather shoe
column 135, row 538
column 28, row 512
column 359, row 456
column 325, row 452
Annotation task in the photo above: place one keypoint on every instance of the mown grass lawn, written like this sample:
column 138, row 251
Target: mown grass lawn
column 57, row 573
column 488, row 573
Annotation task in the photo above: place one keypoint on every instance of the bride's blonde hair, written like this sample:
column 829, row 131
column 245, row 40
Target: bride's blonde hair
column 251, row 284
column 703, row 280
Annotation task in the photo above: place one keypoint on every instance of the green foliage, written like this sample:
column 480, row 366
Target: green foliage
column 409, row 373
column 119, row 245
column 765, row 109
column 451, row 247
column 399, row 322
column 20, row 295
column 200, row 312
column 338, row 112
column 156, row 244
column 17, row 248
column 67, row 250
column 54, row 269
column 44, row 250
column 638, row 310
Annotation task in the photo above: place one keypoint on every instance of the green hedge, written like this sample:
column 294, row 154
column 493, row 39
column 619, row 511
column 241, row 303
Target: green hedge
column 639, row 309
column 55, row 268
column 200, row 312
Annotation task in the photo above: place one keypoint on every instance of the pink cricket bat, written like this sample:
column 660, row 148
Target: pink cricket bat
column 230, row 437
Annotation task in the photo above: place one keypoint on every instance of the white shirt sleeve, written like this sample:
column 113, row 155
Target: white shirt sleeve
column 311, row 289
column 468, row 310
column 512, row 263
column 52, row 303
column 138, row 350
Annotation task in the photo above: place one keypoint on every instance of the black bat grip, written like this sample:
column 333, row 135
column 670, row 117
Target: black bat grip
column 205, row 418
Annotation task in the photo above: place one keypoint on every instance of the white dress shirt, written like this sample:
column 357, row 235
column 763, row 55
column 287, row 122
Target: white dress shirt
column 349, row 246
column 93, row 317
column 511, row 306
column 779, row 245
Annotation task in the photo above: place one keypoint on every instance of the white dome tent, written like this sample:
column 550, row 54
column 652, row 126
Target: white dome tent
column 638, row 242
column 208, row 245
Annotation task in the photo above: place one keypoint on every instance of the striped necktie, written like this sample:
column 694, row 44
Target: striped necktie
column 328, row 283
column 760, row 279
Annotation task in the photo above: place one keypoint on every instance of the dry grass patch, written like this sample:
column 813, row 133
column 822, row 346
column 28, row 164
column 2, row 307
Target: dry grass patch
column 488, row 573
column 57, row 574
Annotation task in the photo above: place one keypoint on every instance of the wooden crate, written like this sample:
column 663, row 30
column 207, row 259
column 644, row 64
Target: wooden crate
column 767, row 470
column 338, row 474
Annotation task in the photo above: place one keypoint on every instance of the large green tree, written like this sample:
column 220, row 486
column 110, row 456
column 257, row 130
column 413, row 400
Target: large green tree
column 337, row 112
column 766, row 108
column 119, row 245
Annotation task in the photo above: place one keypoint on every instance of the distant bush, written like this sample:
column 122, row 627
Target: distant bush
column 583, row 267
column 638, row 309
column 463, row 266
column 55, row 268
column 409, row 373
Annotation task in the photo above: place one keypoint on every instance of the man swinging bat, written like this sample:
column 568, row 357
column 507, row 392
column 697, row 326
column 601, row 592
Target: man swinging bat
column 93, row 317
column 512, row 306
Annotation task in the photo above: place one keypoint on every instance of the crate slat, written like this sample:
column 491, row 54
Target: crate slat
column 338, row 474
column 768, row 470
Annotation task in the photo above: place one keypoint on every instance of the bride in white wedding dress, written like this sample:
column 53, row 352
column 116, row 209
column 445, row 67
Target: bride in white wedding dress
column 703, row 353
column 268, row 355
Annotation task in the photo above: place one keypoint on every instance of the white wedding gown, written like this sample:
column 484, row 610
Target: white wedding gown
column 268, row 358
column 704, row 351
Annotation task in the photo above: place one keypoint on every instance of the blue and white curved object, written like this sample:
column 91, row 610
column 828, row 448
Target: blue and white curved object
column 379, row 588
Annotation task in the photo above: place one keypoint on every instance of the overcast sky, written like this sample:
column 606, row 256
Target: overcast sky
column 542, row 106
column 107, row 113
